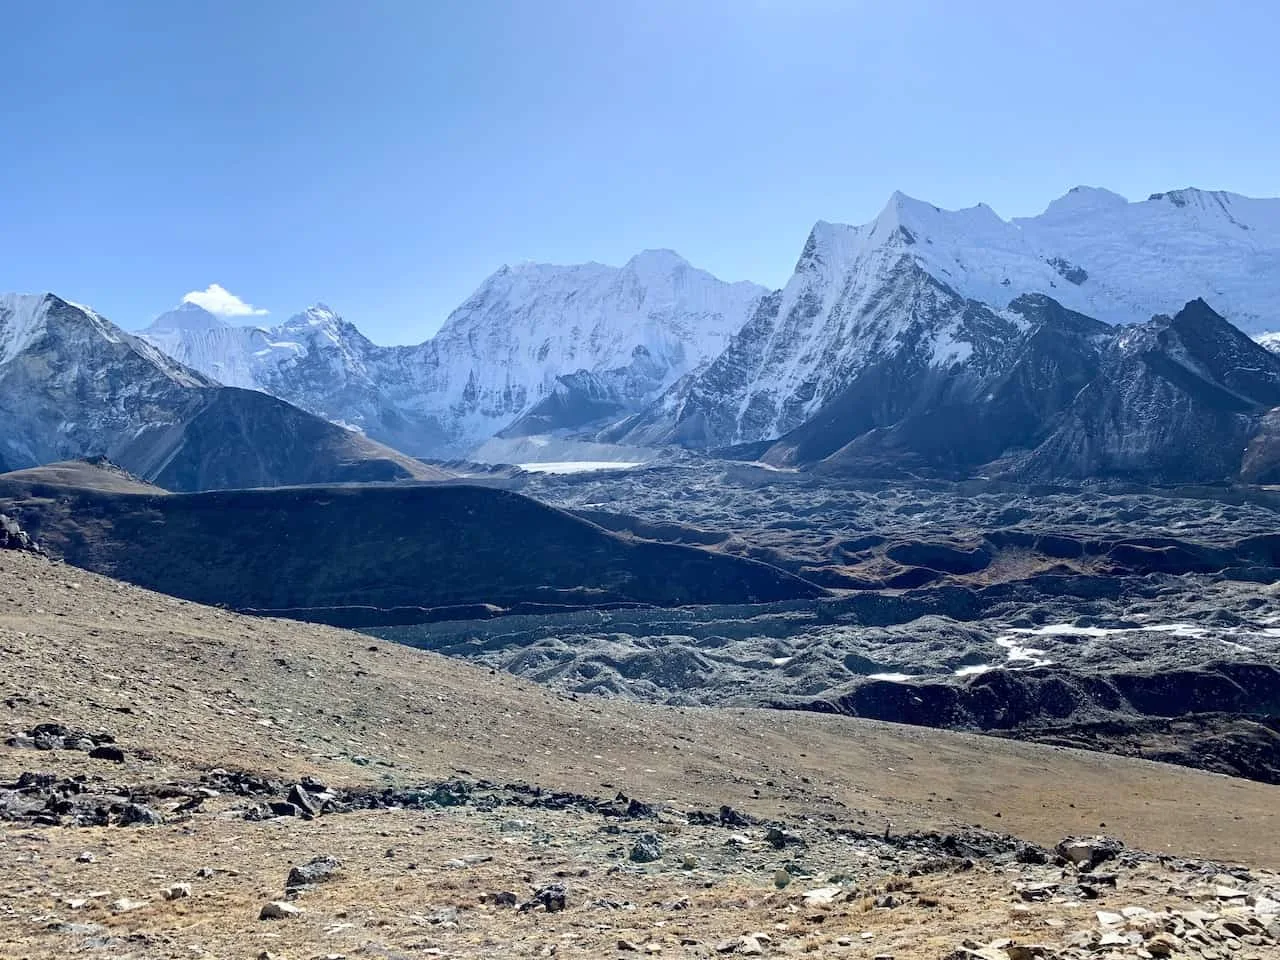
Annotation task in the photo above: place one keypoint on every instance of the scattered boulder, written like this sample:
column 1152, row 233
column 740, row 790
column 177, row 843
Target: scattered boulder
column 279, row 910
column 647, row 848
column 778, row 838
column 1088, row 852
column 107, row 752
column 13, row 537
column 314, row 871
column 303, row 802
column 138, row 815
column 552, row 898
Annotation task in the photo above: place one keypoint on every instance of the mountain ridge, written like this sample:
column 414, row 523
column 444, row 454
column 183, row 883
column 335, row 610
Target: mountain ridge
column 72, row 384
column 500, row 353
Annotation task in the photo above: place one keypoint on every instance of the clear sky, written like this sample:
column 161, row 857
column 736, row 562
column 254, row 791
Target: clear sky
column 385, row 157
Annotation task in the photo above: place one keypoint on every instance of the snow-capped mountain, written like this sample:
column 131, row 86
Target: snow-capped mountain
column 636, row 328
column 911, row 282
column 72, row 384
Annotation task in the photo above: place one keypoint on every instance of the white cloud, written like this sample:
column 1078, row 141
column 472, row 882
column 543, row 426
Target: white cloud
column 219, row 300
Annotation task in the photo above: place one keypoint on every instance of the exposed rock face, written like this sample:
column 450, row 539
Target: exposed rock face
column 72, row 384
column 905, row 413
column 944, row 340
column 1177, row 398
column 530, row 341
column 1042, row 393
column 13, row 537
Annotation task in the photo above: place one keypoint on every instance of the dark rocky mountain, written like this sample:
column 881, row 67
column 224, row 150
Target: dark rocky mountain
column 72, row 384
column 373, row 554
column 949, row 342
column 1178, row 398
column 1048, row 394
column 905, row 412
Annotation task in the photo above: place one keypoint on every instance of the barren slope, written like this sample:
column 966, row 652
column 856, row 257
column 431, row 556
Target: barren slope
column 200, row 688
column 186, row 689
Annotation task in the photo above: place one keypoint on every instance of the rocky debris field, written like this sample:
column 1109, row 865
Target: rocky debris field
column 871, row 534
column 234, row 861
column 1143, row 623
column 1177, row 668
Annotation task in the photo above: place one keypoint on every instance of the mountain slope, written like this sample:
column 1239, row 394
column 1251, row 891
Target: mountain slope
column 526, row 333
column 324, row 552
column 73, row 384
column 1176, row 398
column 887, row 333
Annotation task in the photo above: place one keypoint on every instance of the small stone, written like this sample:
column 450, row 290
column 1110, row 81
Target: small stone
column 443, row 916
column 822, row 896
column 553, row 898
column 1037, row 891
column 1109, row 919
column 107, row 752
column 504, row 898
column 124, row 905
column 626, row 946
column 1027, row 951
column 176, row 891
column 86, row 857
column 750, row 946
column 778, row 838
column 135, row 814
column 316, row 870
column 1163, row 945
column 781, row 879
column 278, row 910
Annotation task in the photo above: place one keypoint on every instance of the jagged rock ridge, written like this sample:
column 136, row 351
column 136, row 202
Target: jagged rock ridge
column 72, row 384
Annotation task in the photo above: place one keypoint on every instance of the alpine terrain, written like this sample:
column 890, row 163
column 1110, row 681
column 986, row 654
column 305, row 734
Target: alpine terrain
column 73, row 384
column 896, row 335
column 554, row 345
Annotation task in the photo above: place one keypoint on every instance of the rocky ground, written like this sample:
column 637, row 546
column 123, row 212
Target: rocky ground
column 171, row 774
column 477, row 872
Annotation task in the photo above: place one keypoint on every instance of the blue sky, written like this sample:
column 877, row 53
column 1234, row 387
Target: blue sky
column 385, row 157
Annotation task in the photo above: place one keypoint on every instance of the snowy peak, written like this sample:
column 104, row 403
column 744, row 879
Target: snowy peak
column 637, row 328
column 21, row 322
column 187, row 317
column 654, row 263
column 920, row 218
column 1082, row 202
column 321, row 326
